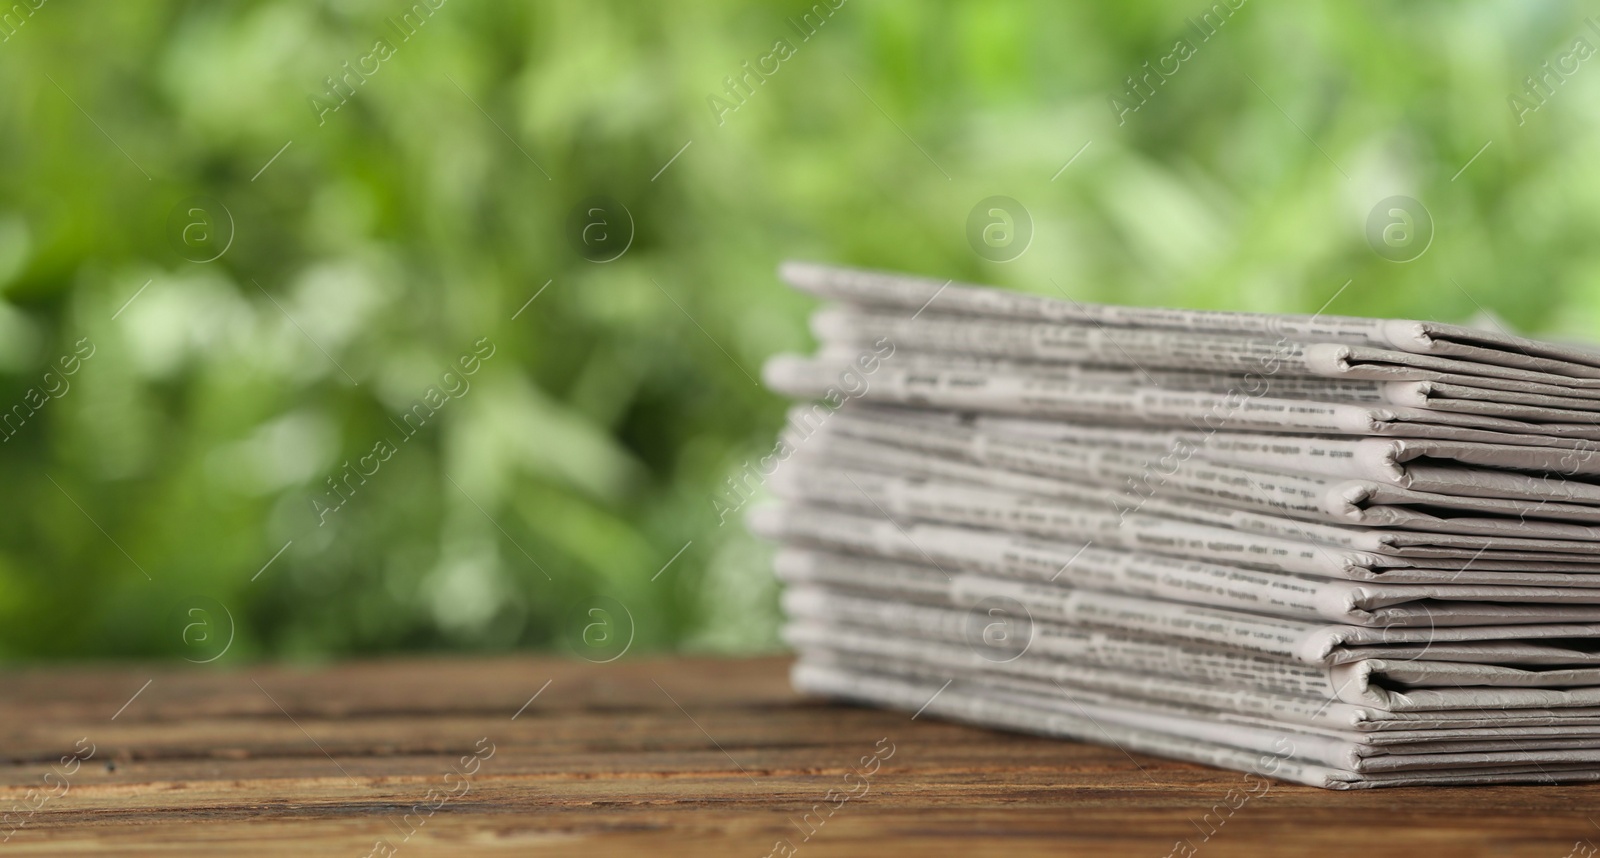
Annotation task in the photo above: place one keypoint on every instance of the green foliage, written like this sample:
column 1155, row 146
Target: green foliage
column 397, row 232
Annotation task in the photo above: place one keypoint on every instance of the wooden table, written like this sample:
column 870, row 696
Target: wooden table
column 692, row 757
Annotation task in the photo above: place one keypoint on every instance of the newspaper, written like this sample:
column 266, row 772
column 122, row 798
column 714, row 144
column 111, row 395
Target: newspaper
column 1182, row 697
column 1395, row 541
column 872, row 288
column 966, row 579
column 1039, row 395
column 866, row 606
column 1195, row 582
column 1257, row 687
column 1143, row 487
column 901, row 500
column 1352, row 751
column 1348, row 552
column 1300, row 497
column 1196, row 674
column 1162, row 349
column 1066, row 450
column 883, row 514
column 964, row 702
column 1438, row 390
column 1422, row 464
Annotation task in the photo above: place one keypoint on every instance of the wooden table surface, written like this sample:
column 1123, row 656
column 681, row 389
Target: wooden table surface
column 663, row 757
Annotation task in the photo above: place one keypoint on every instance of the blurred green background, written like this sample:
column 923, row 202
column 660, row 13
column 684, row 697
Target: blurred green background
column 162, row 500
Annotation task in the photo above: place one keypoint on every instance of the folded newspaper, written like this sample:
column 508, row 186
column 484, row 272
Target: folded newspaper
column 1339, row 551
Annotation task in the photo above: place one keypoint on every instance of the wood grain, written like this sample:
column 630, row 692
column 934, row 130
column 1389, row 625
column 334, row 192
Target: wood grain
column 689, row 757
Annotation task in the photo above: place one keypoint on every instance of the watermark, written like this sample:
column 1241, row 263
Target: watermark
column 999, row 229
column 343, row 87
column 10, row 21
column 1540, row 87
column 52, row 386
column 1143, row 87
column 208, row 629
column 802, row 423
column 1573, row 461
column 1583, row 849
column 418, row 814
column 1399, row 228
column 998, row 629
column 605, row 631
column 453, row 385
column 738, row 88
column 57, row 783
column 600, row 229
column 1252, row 385
column 858, row 783
column 200, row 229
column 1257, row 785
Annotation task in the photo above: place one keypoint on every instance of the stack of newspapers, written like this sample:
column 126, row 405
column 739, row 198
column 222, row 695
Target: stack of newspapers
column 1339, row 551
